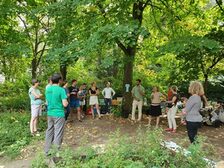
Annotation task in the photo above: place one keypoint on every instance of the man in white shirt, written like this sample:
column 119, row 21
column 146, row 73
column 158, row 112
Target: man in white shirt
column 108, row 93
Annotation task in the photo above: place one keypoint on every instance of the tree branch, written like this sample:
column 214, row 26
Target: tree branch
column 220, row 5
column 26, row 30
column 122, row 47
column 41, row 54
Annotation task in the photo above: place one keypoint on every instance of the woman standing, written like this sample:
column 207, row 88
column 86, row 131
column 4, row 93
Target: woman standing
column 36, row 102
column 155, row 109
column 172, row 105
column 93, row 101
column 193, row 105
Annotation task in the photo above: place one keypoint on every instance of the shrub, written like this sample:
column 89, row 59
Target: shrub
column 19, row 102
column 15, row 133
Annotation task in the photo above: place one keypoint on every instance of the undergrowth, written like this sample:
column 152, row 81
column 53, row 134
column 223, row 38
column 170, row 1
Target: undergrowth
column 15, row 133
column 143, row 151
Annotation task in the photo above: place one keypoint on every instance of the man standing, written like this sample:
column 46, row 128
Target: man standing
column 74, row 99
column 57, row 100
column 108, row 93
column 137, row 93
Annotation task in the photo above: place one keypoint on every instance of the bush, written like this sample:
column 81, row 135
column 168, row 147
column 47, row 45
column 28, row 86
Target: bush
column 19, row 102
column 143, row 151
column 15, row 133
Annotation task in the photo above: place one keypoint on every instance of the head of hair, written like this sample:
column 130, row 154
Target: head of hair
column 56, row 78
column 196, row 88
column 139, row 80
column 93, row 83
column 174, row 88
column 84, row 84
column 74, row 80
column 34, row 81
column 157, row 88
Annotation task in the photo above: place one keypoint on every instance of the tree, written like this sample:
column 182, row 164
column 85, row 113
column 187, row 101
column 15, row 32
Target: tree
column 35, row 25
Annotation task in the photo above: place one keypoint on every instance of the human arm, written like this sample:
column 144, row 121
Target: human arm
column 205, row 100
column 103, row 92
column 36, row 95
column 141, row 90
column 64, row 98
column 190, row 103
column 113, row 92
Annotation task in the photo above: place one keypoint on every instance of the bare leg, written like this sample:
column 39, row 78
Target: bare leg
column 31, row 125
column 157, row 122
column 79, row 113
column 92, row 112
column 35, row 121
column 150, row 119
column 72, row 113
column 98, row 110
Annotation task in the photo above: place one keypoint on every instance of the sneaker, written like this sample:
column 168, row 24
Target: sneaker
column 169, row 129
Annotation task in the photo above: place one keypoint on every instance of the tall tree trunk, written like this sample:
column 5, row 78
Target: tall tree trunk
column 34, row 68
column 128, row 76
column 63, row 70
column 206, row 83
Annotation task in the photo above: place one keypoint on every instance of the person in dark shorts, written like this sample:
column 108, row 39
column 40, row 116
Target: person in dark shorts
column 74, row 100
column 155, row 108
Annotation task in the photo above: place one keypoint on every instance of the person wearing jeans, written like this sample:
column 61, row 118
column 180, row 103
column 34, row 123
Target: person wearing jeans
column 138, row 93
column 172, row 111
column 57, row 101
column 108, row 93
column 193, row 105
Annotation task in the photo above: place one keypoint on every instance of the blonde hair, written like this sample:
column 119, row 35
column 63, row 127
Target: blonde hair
column 196, row 88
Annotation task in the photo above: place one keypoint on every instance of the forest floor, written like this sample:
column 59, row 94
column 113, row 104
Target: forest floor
column 97, row 132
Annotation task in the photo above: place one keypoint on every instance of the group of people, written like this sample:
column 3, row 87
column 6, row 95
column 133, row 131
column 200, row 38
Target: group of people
column 61, row 99
column 191, row 109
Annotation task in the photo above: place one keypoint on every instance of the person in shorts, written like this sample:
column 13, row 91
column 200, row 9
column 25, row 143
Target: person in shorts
column 82, row 98
column 57, row 101
column 36, row 104
column 74, row 99
column 93, row 99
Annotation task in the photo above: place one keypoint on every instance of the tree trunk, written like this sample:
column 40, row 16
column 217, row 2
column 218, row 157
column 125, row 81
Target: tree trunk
column 206, row 83
column 34, row 68
column 63, row 70
column 128, row 76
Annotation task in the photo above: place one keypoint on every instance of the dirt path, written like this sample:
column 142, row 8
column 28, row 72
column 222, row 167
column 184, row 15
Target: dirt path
column 96, row 132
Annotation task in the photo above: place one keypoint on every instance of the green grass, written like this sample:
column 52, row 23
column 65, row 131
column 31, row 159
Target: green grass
column 15, row 133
